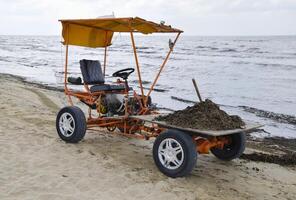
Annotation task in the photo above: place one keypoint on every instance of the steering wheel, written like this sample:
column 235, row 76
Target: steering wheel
column 123, row 73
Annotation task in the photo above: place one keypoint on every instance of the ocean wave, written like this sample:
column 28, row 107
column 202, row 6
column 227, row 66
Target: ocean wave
column 255, row 50
column 206, row 47
column 185, row 49
column 276, row 65
column 179, row 58
column 183, row 53
column 246, row 40
column 5, row 58
column 280, row 57
column 47, row 50
column 265, row 64
column 228, row 50
column 147, row 52
column 241, row 62
column 7, row 48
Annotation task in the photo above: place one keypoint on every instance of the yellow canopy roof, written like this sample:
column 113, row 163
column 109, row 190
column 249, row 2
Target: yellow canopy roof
column 99, row 32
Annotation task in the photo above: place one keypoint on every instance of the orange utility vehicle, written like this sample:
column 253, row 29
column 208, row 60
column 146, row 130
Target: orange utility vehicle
column 118, row 106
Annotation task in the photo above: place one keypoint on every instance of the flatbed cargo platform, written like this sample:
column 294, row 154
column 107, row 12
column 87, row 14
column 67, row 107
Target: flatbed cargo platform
column 249, row 127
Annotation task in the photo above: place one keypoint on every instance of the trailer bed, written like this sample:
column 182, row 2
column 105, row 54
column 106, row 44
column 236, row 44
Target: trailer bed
column 249, row 126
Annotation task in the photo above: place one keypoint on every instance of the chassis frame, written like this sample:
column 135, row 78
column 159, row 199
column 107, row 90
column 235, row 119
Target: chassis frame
column 142, row 125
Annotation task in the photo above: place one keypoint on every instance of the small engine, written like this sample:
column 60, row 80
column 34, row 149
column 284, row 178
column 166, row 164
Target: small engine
column 114, row 104
column 111, row 104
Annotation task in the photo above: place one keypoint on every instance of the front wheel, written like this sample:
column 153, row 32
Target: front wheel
column 174, row 153
column 71, row 124
column 233, row 150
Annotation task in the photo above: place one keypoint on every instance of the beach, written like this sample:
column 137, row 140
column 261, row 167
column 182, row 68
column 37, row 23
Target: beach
column 36, row 164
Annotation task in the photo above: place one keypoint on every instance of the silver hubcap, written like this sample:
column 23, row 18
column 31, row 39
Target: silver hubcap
column 67, row 124
column 170, row 153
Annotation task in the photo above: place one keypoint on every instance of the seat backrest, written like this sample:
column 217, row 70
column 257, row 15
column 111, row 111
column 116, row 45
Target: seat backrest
column 91, row 72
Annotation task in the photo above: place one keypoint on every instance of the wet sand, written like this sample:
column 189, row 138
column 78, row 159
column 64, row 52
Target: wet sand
column 36, row 164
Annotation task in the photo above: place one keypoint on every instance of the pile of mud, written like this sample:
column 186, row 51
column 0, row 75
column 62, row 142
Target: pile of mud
column 205, row 115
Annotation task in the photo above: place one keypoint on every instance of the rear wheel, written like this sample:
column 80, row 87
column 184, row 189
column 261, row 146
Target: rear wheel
column 174, row 153
column 71, row 124
column 232, row 150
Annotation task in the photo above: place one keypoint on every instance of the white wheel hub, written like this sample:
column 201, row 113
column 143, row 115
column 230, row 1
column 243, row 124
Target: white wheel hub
column 170, row 153
column 67, row 124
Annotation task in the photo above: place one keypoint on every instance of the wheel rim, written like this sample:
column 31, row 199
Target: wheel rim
column 67, row 124
column 171, row 153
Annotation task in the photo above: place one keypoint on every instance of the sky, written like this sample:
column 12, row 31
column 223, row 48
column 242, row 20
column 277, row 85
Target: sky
column 195, row 17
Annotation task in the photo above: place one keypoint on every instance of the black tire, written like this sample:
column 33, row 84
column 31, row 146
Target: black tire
column 189, row 152
column 78, row 124
column 233, row 150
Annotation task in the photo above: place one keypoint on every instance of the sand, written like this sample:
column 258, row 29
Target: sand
column 36, row 164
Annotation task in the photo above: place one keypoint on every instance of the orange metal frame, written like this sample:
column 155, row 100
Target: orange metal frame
column 131, row 126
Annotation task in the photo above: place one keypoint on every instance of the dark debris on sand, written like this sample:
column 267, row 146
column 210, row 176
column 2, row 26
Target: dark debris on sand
column 277, row 150
column 205, row 115
column 273, row 144
column 287, row 159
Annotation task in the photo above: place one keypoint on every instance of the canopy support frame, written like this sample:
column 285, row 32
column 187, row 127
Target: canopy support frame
column 161, row 68
column 105, row 53
column 144, row 98
column 137, row 64
column 66, row 71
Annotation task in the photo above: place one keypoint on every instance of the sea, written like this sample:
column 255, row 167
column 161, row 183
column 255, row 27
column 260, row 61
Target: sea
column 253, row 77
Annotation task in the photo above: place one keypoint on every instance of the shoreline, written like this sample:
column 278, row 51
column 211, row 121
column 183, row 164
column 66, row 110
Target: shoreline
column 264, row 114
column 39, row 85
column 35, row 163
column 277, row 117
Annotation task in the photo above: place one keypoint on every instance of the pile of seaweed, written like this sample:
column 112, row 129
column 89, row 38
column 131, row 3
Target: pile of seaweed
column 205, row 115
column 276, row 150
column 287, row 159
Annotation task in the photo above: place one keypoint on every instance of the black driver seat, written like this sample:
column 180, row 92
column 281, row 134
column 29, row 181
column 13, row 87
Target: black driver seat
column 92, row 75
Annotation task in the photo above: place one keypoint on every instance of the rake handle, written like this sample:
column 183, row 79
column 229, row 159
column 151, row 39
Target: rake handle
column 196, row 89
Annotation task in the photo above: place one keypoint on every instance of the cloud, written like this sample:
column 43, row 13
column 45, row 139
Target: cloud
column 203, row 17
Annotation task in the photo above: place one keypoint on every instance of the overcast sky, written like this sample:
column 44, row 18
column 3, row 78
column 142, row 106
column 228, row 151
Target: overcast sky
column 195, row 17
